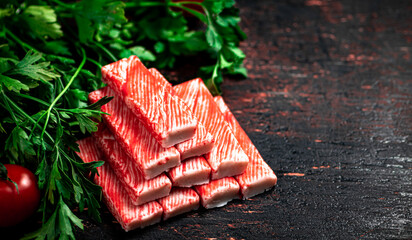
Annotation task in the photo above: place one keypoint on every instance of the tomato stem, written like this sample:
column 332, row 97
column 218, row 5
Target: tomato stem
column 4, row 176
column 3, row 172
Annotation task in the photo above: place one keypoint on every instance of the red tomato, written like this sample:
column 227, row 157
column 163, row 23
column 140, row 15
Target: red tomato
column 16, row 207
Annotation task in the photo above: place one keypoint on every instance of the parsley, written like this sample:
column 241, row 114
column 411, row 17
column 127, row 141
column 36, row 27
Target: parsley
column 41, row 20
column 51, row 53
column 168, row 34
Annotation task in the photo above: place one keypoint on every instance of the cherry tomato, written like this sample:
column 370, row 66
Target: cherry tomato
column 15, row 206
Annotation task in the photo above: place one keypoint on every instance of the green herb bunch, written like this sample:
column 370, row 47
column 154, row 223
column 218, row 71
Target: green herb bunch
column 51, row 52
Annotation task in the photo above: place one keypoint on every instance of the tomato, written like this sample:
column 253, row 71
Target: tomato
column 15, row 206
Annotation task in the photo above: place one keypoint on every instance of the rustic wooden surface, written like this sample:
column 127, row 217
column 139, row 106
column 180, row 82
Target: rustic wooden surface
column 328, row 104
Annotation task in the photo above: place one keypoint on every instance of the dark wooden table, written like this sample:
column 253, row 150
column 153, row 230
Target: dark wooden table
column 328, row 103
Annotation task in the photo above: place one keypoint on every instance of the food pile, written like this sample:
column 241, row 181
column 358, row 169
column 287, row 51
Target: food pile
column 168, row 149
column 51, row 55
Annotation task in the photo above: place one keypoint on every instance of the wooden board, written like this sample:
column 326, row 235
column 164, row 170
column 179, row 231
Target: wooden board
column 328, row 103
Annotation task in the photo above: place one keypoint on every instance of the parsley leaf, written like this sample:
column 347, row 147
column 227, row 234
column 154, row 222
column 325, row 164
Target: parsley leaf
column 41, row 20
column 28, row 67
column 144, row 54
column 214, row 6
column 27, row 70
column 96, row 17
column 213, row 38
column 13, row 84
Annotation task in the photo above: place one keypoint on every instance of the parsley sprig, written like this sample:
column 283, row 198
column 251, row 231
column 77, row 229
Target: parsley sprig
column 51, row 53
column 170, row 36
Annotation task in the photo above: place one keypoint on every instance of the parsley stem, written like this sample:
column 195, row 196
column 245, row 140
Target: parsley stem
column 186, row 2
column 6, row 103
column 95, row 62
column 24, row 45
column 209, row 19
column 195, row 13
column 22, row 112
column 211, row 83
column 113, row 58
column 32, row 98
column 144, row 4
column 63, row 91
column 180, row 5
column 70, row 6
